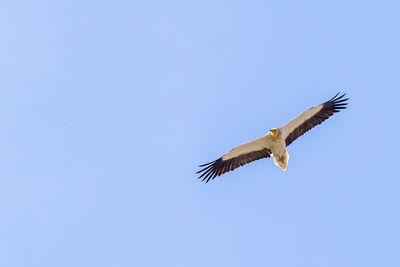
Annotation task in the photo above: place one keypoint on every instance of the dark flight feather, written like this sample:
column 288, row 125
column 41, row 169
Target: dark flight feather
column 220, row 166
column 333, row 105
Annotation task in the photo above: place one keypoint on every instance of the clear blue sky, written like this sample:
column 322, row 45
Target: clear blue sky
column 107, row 108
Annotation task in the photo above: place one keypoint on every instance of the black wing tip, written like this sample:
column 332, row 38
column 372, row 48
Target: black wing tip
column 207, row 173
column 333, row 97
column 338, row 101
column 207, row 164
column 338, row 98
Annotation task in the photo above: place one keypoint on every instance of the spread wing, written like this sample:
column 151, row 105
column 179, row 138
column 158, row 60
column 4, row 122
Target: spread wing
column 239, row 156
column 312, row 117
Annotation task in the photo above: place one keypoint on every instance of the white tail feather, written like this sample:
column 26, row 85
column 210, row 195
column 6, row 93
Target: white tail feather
column 282, row 161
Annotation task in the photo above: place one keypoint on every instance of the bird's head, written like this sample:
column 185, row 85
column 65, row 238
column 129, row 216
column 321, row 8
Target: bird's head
column 275, row 132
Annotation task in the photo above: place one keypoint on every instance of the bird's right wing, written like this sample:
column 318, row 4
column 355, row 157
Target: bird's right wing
column 239, row 156
column 312, row 117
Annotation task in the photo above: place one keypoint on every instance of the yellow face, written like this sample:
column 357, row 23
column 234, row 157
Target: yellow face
column 274, row 131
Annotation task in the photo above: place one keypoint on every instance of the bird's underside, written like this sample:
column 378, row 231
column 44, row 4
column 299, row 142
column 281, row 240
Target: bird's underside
column 274, row 143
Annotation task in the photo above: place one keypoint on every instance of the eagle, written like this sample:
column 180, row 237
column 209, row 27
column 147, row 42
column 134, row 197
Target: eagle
column 274, row 143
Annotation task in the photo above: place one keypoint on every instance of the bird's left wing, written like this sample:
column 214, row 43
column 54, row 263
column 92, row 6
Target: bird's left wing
column 239, row 156
column 312, row 117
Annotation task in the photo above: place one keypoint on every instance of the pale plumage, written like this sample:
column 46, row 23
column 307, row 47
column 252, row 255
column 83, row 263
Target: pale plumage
column 274, row 142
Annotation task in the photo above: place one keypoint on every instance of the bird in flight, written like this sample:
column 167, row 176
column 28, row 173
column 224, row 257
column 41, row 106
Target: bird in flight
column 274, row 143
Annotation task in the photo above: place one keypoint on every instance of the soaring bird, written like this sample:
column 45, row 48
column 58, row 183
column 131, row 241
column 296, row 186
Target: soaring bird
column 274, row 143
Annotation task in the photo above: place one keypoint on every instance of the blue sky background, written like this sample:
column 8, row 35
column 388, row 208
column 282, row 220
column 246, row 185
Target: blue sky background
column 107, row 108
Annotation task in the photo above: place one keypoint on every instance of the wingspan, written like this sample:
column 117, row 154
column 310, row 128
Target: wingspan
column 235, row 158
column 312, row 117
